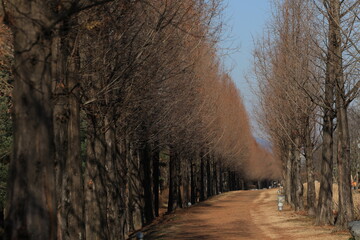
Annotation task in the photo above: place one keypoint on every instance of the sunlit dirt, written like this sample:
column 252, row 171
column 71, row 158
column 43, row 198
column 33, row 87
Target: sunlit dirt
column 240, row 215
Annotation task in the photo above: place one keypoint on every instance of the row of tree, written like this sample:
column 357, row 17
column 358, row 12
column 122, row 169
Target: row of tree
column 114, row 102
column 307, row 66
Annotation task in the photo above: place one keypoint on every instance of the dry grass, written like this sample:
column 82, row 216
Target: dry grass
column 295, row 225
column 356, row 197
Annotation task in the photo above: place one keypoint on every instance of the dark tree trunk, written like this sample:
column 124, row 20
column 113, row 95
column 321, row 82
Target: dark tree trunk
column 221, row 178
column 122, row 166
column 242, row 184
column 193, row 182
column 325, row 215
column 186, row 182
column 156, row 178
column 202, row 179
column 173, row 182
column 298, row 203
column 31, row 190
column 114, row 183
column 135, row 190
column 61, row 119
column 146, row 161
column 95, row 190
column 74, row 215
column 225, row 180
column 311, row 194
column 288, row 178
column 215, row 178
column 293, row 178
column 230, row 181
column 179, row 181
column 209, row 177
column 346, row 205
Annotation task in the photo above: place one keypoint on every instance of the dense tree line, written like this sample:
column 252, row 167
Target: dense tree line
column 307, row 69
column 113, row 103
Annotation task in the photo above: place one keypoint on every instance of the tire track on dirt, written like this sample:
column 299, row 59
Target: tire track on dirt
column 227, row 216
column 239, row 215
column 265, row 203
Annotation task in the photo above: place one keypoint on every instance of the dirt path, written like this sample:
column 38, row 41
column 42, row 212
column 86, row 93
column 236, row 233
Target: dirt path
column 239, row 215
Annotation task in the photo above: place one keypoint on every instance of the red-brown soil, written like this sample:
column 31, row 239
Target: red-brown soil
column 240, row 215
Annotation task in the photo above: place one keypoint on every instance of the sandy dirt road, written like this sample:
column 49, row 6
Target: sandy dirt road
column 240, row 215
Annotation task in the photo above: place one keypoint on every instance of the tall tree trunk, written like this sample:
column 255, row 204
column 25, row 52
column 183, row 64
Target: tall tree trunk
column 156, row 177
column 135, row 189
column 242, row 184
column 209, row 177
column 114, row 183
column 311, row 194
column 231, row 181
column 324, row 215
column 123, row 169
column 173, row 182
column 346, row 205
column 74, row 179
column 202, row 179
column 31, row 190
column 179, row 180
column 146, row 161
column 221, row 178
column 186, row 182
column 193, row 181
column 288, row 178
column 61, row 119
column 215, row 178
column 299, row 205
column 95, row 189
column 293, row 177
column 179, row 185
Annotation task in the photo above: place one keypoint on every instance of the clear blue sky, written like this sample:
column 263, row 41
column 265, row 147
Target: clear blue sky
column 244, row 21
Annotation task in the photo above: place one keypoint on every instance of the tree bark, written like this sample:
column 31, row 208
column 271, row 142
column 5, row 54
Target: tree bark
column 186, row 182
column 179, row 181
column 135, row 189
column 113, row 181
column 221, row 178
column 156, row 178
column 299, row 205
column 346, row 205
column 209, row 177
column 146, row 161
column 74, row 179
column 216, row 178
column 31, row 191
column 288, row 178
column 324, row 209
column 61, row 119
column 173, row 202
column 325, row 215
column 123, row 157
column 95, row 187
column 193, row 182
column 311, row 194
column 202, row 179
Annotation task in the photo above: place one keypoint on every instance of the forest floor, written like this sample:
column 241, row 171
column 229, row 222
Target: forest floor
column 240, row 215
